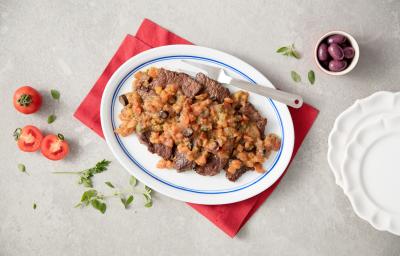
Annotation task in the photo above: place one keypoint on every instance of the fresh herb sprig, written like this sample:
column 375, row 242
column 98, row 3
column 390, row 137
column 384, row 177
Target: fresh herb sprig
column 94, row 198
column 295, row 76
column 98, row 201
column 51, row 118
column 85, row 176
column 56, row 96
column 148, row 202
column 311, row 76
column 289, row 50
column 22, row 168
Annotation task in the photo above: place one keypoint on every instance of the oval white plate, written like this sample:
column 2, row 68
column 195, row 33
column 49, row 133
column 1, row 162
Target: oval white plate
column 189, row 186
column 352, row 119
column 371, row 173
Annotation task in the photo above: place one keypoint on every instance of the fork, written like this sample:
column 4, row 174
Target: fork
column 221, row 76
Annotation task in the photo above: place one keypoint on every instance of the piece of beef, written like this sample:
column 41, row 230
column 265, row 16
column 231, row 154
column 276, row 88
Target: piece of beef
column 252, row 113
column 181, row 163
column 213, row 88
column 190, row 87
column 213, row 166
column 165, row 77
column 234, row 176
column 144, row 138
column 163, row 151
column 160, row 149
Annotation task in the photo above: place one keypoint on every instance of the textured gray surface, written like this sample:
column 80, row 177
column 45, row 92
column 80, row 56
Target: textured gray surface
column 66, row 45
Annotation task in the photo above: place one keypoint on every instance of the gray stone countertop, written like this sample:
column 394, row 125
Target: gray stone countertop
column 67, row 44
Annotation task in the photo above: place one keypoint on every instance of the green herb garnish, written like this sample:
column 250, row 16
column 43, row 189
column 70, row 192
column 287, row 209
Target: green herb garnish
column 34, row 206
column 132, row 181
column 55, row 94
column 22, row 168
column 148, row 202
column 127, row 201
column 51, row 118
column 97, row 200
column 289, row 51
column 295, row 76
column 85, row 176
column 311, row 77
column 93, row 198
column 109, row 184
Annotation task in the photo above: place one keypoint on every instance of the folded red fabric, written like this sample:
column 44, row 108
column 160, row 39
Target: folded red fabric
column 229, row 217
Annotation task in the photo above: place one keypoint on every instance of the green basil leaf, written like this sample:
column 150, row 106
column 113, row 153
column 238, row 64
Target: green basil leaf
column 55, row 94
column 282, row 49
column 109, row 184
column 21, row 168
column 87, row 195
column 311, row 76
column 51, row 119
column 97, row 204
column 128, row 201
column 133, row 181
column 147, row 189
column 147, row 200
column 294, row 54
column 295, row 76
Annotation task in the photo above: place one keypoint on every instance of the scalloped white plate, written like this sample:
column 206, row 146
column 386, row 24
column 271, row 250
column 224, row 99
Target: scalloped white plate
column 371, row 173
column 189, row 186
column 361, row 113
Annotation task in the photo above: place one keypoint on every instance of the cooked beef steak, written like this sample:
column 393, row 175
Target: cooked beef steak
column 165, row 77
column 163, row 151
column 159, row 149
column 144, row 137
column 181, row 163
column 213, row 166
column 237, row 174
column 213, row 88
column 190, row 87
column 249, row 110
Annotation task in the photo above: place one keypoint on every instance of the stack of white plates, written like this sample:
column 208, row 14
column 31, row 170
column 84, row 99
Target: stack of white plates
column 364, row 155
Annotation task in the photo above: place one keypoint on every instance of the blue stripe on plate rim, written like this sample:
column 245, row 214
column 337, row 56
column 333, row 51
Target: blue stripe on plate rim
column 121, row 144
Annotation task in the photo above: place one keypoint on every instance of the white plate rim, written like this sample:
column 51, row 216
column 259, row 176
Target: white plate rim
column 352, row 114
column 361, row 203
column 158, row 186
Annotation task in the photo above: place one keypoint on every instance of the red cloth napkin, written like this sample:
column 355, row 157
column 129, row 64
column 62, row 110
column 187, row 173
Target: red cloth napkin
column 229, row 217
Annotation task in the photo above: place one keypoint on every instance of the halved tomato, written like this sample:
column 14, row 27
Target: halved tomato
column 27, row 100
column 28, row 138
column 54, row 147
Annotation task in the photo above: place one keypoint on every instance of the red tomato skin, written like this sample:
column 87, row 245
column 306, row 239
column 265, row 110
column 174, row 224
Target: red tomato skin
column 36, row 133
column 46, row 144
column 34, row 105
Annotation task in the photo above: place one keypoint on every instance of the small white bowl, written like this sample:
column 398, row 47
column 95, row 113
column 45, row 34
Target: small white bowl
column 353, row 43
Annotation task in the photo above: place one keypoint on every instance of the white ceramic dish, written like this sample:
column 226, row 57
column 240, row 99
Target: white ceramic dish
column 371, row 174
column 353, row 43
column 189, row 186
column 358, row 115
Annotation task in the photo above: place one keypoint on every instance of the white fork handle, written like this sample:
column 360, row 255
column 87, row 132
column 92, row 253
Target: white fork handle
column 286, row 98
